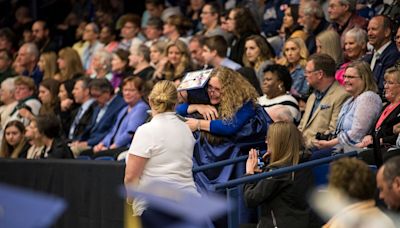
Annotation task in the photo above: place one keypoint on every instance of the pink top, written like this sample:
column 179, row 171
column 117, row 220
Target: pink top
column 340, row 72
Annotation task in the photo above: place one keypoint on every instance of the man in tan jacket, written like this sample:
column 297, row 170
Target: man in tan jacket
column 324, row 104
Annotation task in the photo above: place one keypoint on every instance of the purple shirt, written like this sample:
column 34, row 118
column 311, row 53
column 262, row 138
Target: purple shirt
column 122, row 133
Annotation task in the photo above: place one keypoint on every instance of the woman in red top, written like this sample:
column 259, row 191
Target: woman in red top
column 388, row 125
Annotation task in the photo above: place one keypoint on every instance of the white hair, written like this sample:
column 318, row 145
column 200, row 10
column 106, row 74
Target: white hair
column 9, row 84
column 280, row 113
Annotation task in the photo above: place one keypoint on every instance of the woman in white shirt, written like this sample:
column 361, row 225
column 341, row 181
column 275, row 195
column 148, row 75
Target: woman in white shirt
column 154, row 154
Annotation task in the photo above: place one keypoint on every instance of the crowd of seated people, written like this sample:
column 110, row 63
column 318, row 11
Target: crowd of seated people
column 338, row 81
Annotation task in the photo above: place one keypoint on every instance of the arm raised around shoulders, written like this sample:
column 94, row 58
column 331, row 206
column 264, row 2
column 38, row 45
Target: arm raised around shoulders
column 232, row 126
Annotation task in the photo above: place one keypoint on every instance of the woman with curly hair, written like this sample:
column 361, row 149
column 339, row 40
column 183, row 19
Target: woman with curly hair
column 258, row 55
column 295, row 56
column 232, row 104
column 179, row 61
column 69, row 64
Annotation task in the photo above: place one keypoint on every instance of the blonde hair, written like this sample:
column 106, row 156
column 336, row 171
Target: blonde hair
column 303, row 51
column 285, row 142
column 171, row 72
column 50, row 64
column 73, row 63
column 393, row 71
column 163, row 97
column 364, row 71
column 235, row 92
column 331, row 45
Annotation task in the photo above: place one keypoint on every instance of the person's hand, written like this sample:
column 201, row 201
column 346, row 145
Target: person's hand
column 66, row 104
column 208, row 112
column 367, row 140
column 162, row 61
column 252, row 162
column 82, row 144
column 113, row 146
column 160, row 67
column 192, row 123
column 25, row 113
column 99, row 147
column 396, row 129
column 76, row 145
column 322, row 144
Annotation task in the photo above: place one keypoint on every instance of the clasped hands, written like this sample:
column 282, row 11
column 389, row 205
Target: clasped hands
column 207, row 111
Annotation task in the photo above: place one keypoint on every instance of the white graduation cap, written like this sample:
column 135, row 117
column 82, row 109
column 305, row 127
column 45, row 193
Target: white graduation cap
column 195, row 80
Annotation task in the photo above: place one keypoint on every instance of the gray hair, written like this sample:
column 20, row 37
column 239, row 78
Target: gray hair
column 144, row 51
column 393, row 71
column 280, row 113
column 32, row 49
column 313, row 9
column 351, row 3
column 105, row 58
column 359, row 34
column 9, row 84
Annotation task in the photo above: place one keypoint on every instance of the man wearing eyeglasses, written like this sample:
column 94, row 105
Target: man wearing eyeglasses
column 324, row 104
column 41, row 34
column 103, row 117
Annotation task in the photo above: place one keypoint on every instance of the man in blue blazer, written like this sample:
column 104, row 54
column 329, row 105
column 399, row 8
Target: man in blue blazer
column 385, row 53
column 104, row 115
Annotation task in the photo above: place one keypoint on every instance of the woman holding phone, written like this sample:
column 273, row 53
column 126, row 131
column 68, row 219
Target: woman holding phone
column 282, row 199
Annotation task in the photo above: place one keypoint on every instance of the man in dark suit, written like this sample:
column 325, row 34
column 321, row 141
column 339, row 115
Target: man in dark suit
column 385, row 52
column 83, row 116
column 104, row 115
